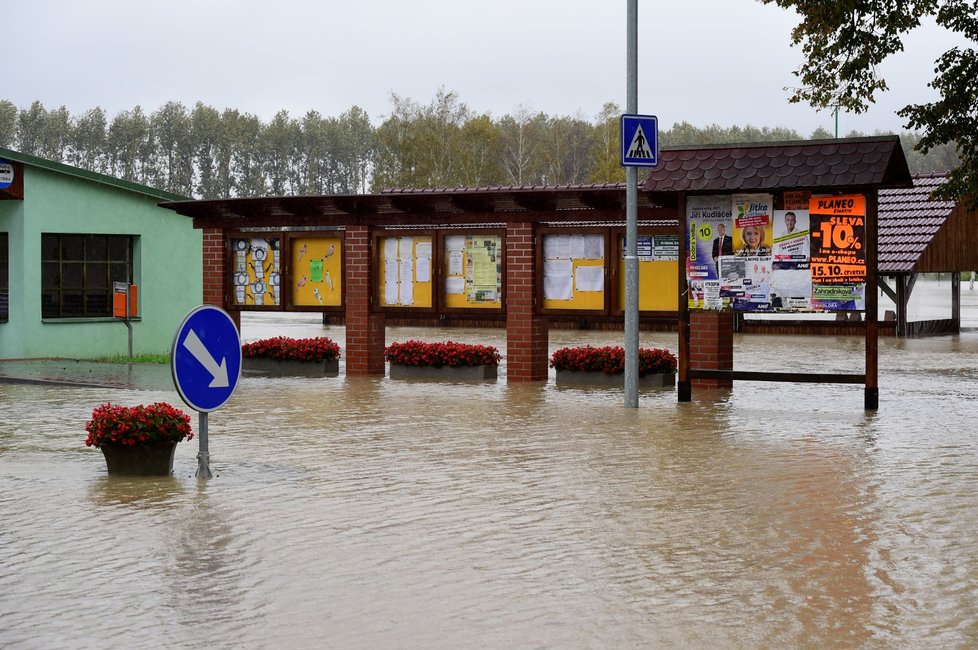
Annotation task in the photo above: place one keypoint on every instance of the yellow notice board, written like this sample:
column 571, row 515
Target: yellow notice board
column 573, row 271
column 658, row 272
column 473, row 271
column 405, row 271
column 317, row 271
column 256, row 270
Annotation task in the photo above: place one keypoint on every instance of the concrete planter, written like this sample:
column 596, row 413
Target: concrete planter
column 444, row 373
column 144, row 459
column 591, row 378
column 277, row 368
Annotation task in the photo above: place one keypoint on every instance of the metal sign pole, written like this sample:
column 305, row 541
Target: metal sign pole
column 203, row 455
column 631, row 221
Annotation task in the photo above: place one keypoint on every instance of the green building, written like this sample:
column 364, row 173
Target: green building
column 68, row 238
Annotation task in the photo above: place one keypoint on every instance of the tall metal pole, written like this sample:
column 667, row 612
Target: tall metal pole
column 203, row 453
column 631, row 220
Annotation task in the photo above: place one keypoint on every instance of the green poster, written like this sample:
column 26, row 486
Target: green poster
column 315, row 270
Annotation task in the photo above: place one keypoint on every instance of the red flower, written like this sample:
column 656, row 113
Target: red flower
column 283, row 348
column 419, row 353
column 611, row 360
column 129, row 425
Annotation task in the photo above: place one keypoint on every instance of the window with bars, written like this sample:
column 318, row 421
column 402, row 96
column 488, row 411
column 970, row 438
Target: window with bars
column 77, row 272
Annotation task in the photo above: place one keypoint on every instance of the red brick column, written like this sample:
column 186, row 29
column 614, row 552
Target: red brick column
column 364, row 328
column 526, row 332
column 711, row 345
column 215, row 271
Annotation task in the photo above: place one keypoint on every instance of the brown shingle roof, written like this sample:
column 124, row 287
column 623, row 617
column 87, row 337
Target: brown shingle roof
column 908, row 221
column 818, row 165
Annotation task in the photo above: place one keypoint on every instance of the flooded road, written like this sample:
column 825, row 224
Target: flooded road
column 371, row 513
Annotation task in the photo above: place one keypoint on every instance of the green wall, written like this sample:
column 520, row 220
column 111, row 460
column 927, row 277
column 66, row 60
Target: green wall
column 167, row 267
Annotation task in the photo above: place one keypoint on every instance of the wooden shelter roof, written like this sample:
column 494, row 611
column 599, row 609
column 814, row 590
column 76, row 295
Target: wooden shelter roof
column 816, row 165
column 908, row 222
column 413, row 206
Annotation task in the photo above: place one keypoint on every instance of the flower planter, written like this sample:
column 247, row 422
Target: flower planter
column 594, row 378
column 443, row 373
column 146, row 459
column 279, row 368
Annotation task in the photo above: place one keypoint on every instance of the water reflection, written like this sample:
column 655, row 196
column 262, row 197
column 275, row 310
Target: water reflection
column 364, row 512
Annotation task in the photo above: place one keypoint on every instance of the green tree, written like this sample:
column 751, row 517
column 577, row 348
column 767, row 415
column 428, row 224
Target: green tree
column 280, row 148
column 55, row 135
column 30, row 128
column 88, row 144
column 174, row 156
column 8, row 124
column 521, row 138
column 356, row 145
column 247, row 155
column 205, row 136
column 130, row 145
column 606, row 146
column 845, row 42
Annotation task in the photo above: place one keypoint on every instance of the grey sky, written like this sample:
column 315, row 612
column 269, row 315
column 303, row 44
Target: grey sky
column 702, row 61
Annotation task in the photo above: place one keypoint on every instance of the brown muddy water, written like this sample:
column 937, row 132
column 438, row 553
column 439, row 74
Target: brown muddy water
column 371, row 513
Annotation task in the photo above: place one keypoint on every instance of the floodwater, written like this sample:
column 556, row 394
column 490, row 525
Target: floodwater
column 370, row 513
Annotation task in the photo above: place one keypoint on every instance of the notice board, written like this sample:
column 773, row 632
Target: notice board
column 317, row 271
column 405, row 271
column 574, row 271
column 658, row 272
column 473, row 271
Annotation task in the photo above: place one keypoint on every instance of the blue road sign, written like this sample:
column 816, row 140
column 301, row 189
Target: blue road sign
column 206, row 358
column 639, row 140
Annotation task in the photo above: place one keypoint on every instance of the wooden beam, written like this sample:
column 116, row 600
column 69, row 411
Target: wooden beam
column 799, row 377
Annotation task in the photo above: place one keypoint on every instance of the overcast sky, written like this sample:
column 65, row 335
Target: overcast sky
column 702, row 61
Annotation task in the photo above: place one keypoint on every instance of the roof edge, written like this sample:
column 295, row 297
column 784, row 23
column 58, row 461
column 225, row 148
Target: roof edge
column 96, row 177
column 782, row 143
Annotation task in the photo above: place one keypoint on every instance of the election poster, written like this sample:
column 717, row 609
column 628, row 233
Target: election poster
column 837, row 251
column 710, row 239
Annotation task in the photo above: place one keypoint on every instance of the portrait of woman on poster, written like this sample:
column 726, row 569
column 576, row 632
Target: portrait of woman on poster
column 753, row 242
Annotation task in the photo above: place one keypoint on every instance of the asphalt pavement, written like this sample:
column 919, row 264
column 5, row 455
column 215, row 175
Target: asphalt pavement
column 73, row 372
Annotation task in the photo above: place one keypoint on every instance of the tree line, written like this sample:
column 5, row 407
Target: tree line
column 206, row 153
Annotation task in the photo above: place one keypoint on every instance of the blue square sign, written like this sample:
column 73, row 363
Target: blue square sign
column 639, row 140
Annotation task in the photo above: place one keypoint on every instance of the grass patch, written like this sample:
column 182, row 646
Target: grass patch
column 161, row 359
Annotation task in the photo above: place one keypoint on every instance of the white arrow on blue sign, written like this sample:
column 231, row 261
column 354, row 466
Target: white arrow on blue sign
column 639, row 140
column 206, row 358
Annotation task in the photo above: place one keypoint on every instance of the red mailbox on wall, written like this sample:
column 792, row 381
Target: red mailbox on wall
column 119, row 292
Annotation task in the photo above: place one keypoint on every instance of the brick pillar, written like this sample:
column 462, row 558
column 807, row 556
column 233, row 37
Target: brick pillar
column 364, row 329
column 215, row 272
column 526, row 332
column 711, row 345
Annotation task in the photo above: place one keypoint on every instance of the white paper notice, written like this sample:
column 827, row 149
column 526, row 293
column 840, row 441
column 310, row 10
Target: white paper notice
column 590, row 278
column 406, row 250
column 550, row 246
column 455, row 263
column 390, row 248
column 576, row 247
column 558, row 288
column 455, row 285
column 423, row 249
column 424, row 268
column 593, row 247
column 455, row 243
column 407, row 282
column 558, row 268
column 390, row 290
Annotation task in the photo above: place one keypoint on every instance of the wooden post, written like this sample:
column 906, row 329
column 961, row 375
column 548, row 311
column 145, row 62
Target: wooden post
column 956, row 300
column 872, row 391
column 684, row 386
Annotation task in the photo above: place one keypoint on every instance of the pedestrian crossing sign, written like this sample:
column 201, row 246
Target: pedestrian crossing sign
column 639, row 141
